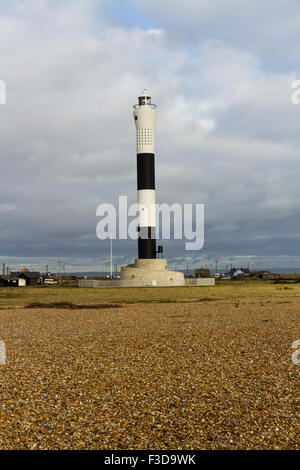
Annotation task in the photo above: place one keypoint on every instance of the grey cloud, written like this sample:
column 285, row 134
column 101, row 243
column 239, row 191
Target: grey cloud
column 270, row 28
column 227, row 133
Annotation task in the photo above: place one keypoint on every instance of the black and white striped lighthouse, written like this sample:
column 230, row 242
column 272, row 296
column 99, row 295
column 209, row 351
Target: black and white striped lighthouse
column 148, row 270
column 144, row 116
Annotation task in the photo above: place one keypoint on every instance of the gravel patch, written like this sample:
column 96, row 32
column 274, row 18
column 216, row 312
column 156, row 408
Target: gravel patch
column 151, row 376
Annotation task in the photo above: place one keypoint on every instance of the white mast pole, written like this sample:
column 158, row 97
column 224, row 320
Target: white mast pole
column 111, row 266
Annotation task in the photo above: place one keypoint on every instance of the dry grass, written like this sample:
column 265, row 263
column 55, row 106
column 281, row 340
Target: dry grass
column 224, row 290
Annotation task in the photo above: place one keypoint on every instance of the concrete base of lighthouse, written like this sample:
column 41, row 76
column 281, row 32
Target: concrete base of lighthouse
column 150, row 273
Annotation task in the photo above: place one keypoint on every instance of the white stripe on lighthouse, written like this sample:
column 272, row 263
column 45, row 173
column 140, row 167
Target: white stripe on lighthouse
column 146, row 199
column 145, row 140
column 145, row 122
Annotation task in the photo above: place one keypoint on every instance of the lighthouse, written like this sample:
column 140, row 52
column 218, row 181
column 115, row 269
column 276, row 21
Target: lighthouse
column 147, row 270
column 144, row 117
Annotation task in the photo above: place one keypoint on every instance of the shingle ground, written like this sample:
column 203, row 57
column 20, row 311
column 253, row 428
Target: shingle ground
column 209, row 375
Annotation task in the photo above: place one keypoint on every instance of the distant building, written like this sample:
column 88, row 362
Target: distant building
column 12, row 282
column 238, row 272
column 31, row 278
column 202, row 272
column 268, row 275
column 242, row 272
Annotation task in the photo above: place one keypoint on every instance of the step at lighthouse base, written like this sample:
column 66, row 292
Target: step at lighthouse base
column 150, row 272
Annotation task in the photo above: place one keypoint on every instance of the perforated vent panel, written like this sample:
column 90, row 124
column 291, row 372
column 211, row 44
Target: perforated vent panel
column 144, row 137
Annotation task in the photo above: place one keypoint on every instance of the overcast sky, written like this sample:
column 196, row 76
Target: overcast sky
column 227, row 131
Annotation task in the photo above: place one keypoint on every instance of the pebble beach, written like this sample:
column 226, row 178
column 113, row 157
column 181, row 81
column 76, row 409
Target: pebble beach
column 207, row 375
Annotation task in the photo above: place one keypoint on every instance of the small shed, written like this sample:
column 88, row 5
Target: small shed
column 31, row 278
column 14, row 282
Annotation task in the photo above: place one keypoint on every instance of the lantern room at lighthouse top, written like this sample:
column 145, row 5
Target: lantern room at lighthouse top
column 144, row 116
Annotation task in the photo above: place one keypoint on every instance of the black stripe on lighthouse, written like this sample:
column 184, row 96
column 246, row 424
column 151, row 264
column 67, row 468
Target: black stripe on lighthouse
column 146, row 192
column 145, row 171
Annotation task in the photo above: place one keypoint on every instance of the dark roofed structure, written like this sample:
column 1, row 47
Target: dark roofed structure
column 31, row 277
